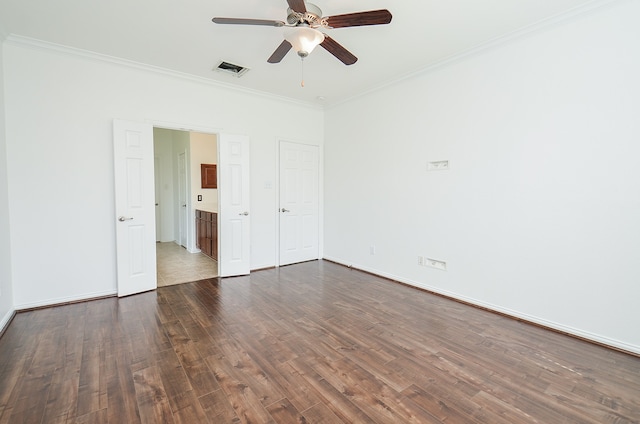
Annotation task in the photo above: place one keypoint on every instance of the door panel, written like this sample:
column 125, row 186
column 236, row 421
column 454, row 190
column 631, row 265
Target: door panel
column 135, row 207
column 156, row 183
column 299, row 204
column 182, row 199
column 233, row 188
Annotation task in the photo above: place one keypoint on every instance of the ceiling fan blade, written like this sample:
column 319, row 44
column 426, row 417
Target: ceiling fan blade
column 373, row 17
column 243, row 21
column 280, row 52
column 338, row 51
column 297, row 6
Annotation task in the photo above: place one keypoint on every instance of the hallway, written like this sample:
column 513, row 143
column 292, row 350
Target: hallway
column 176, row 265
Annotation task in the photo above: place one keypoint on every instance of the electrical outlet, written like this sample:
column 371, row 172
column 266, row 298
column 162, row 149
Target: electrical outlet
column 420, row 261
column 372, row 250
column 434, row 263
column 441, row 165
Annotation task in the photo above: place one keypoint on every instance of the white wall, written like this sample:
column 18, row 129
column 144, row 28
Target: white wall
column 6, row 290
column 539, row 214
column 59, row 112
column 163, row 150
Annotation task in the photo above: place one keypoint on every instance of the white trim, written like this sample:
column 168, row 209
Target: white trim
column 6, row 319
column 509, row 312
column 176, row 126
column 492, row 43
column 62, row 300
column 539, row 26
column 23, row 41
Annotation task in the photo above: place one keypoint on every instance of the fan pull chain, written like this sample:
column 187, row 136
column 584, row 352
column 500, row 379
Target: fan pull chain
column 302, row 72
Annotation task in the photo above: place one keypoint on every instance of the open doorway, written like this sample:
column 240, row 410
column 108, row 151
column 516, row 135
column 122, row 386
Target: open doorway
column 179, row 199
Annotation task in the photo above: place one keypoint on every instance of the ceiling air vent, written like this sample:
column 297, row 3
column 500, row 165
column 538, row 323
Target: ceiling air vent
column 231, row 68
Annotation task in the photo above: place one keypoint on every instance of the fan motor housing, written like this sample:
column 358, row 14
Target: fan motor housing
column 312, row 17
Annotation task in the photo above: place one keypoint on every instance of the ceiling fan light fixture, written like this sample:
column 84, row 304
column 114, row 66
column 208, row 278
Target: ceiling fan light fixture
column 303, row 39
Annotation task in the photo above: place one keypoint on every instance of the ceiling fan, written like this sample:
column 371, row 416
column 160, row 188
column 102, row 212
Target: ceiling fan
column 303, row 23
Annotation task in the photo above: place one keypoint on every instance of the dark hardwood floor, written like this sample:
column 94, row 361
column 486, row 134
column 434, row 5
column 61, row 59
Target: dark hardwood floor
column 308, row 343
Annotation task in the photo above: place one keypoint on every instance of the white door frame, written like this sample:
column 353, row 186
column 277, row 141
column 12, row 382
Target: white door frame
column 231, row 270
column 132, row 288
column 187, row 128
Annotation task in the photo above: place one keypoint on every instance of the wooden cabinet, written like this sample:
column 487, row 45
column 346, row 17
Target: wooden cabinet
column 208, row 175
column 207, row 233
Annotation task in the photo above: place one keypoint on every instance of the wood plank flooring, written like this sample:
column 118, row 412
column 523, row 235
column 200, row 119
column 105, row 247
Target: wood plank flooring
column 307, row 343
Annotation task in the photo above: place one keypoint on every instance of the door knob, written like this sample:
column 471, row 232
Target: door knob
column 124, row 218
column 244, row 213
column 284, row 210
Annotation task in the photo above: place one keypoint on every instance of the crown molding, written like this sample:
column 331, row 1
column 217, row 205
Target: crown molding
column 539, row 26
column 33, row 43
column 518, row 34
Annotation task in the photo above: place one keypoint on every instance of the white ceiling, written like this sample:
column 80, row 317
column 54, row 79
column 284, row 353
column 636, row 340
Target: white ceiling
column 179, row 35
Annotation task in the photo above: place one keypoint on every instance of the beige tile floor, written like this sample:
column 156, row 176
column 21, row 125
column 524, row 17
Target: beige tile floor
column 176, row 265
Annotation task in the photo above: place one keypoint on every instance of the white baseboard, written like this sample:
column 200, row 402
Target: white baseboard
column 616, row 344
column 63, row 300
column 6, row 319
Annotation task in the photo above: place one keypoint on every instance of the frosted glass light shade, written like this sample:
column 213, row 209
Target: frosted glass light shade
column 303, row 39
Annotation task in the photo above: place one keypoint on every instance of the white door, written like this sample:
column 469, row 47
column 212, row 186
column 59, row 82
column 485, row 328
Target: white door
column 234, row 220
column 157, row 172
column 135, row 207
column 182, row 199
column 299, row 214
